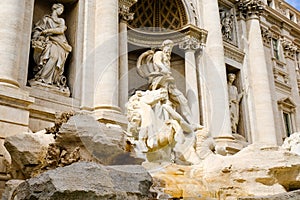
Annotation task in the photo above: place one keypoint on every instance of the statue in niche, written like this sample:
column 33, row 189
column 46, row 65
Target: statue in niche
column 154, row 122
column 234, row 101
column 51, row 49
column 227, row 26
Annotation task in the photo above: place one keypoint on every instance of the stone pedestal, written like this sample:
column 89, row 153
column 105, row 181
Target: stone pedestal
column 227, row 145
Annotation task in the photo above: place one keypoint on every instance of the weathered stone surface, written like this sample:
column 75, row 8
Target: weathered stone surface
column 98, row 142
column 88, row 181
column 257, row 170
column 10, row 187
column 294, row 195
column 27, row 151
column 292, row 143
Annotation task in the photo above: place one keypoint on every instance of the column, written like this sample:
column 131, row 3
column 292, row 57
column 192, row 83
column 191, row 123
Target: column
column 125, row 16
column 14, row 102
column 11, row 20
column 190, row 45
column 261, row 116
column 106, row 97
column 214, row 77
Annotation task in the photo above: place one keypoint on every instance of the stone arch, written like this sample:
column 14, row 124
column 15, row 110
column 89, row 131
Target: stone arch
column 154, row 15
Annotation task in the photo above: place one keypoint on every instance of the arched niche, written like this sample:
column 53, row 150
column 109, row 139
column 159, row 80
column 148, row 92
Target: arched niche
column 70, row 15
column 157, row 15
column 156, row 20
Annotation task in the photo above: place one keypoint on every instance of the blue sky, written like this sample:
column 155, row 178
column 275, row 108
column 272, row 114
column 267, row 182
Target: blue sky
column 295, row 3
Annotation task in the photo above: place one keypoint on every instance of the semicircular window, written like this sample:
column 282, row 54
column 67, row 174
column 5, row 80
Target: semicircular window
column 157, row 15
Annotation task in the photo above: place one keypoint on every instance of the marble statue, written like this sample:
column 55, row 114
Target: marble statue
column 234, row 100
column 51, row 48
column 156, row 68
column 154, row 122
column 227, row 26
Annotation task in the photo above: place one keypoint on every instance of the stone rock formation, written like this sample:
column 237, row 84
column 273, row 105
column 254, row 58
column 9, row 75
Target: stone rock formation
column 257, row 170
column 292, row 143
column 294, row 195
column 98, row 142
column 80, row 137
column 27, row 151
column 89, row 181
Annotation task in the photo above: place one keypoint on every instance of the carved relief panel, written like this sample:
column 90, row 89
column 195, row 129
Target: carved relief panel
column 228, row 23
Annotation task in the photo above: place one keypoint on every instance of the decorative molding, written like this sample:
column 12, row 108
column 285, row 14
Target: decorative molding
column 190, row 43
column 281, row 8
column 248, row 8
column 228, row 23
column 233, row 52
column 283, row 87
column 194, row 12
column 281, row 76
column 124, row 9
column 287, row 103
column 289, row 48
column 266, row 36
column 127, row 3
column 155, row 39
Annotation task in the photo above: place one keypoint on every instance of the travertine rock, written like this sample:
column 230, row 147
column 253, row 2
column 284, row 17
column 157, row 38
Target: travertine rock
column 88, row 181
column 294, row 195
column 10, row 187
column 97, row 142
column 292, row 143
column 257, row 170
column 27, row 151
column 81, row 138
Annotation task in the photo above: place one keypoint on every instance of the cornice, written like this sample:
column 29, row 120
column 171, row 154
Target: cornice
column 234, row 53
column 275, row 17
column 154, row 39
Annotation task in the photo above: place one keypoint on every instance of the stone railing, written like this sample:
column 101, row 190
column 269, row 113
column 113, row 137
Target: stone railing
column 285, row 9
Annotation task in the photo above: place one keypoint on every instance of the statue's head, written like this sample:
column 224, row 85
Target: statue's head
column 167, row 46
column 58, row 7
column 231, row 77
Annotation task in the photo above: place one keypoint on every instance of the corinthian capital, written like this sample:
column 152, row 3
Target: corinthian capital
column 250, row 7
column 190, row 43
column 124, row 9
